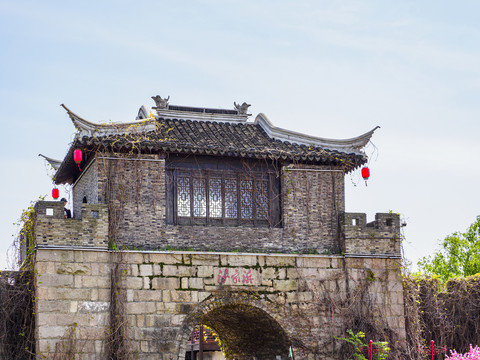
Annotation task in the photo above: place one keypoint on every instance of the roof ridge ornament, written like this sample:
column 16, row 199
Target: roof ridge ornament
column 160, row 102
column 242, row 109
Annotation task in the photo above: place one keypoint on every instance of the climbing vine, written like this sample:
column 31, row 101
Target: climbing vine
column 17, row 295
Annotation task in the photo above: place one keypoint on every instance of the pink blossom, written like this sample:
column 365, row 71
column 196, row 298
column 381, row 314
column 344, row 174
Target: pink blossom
column 473, row 354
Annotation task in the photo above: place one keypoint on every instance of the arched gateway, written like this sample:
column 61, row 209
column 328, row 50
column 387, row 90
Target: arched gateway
column 245, row 331
column 197, row 216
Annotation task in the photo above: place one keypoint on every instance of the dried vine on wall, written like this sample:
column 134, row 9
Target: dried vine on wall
column 449, row 314
column 17, row 296
column 117, row 342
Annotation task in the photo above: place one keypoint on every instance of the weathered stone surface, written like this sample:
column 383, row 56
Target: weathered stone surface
column 92, row 307
column 166, row 293
column 73, row 269
column 165, row 283
column 167, row 301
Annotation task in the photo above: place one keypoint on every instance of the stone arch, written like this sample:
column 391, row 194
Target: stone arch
column 246, row 327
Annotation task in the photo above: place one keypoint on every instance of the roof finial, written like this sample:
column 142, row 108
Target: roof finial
column 160, row 102
column 242, row 109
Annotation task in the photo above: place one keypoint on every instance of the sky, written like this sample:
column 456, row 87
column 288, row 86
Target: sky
column 333, row 69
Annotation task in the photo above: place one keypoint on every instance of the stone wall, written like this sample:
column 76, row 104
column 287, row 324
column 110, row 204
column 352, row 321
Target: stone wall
column 313, row 197
column 86, row 187
column 51, row 229
column 381, row 236
column 72, row 295
column 134, row 189
column 293, row 299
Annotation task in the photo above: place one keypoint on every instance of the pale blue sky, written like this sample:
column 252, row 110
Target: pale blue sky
column 327, row 68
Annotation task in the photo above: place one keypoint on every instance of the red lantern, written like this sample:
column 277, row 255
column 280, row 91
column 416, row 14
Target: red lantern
column 55, row 193
column 365, row 173
column 77, row 156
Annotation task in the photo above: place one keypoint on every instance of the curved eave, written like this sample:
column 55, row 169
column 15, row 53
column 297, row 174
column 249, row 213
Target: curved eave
column 88, row 128
column 66, row 171
column 54, row 163
column 353, row 145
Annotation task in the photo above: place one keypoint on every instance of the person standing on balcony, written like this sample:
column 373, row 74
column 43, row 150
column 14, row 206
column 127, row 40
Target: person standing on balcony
column 66, row 212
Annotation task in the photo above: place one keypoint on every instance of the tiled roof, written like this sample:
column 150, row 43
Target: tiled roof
column 215, row 138
column 246, row 140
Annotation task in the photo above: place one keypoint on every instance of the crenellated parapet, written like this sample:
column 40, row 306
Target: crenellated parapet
column 52, row 229
column 379, row 238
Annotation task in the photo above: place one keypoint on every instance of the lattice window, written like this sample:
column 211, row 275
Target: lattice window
column 224, row 197
column 231, row 207
column 183, row 198
column 215, row 197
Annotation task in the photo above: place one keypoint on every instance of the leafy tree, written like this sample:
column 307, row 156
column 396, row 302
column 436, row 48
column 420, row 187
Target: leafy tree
column 357, row 342
column 459, row 256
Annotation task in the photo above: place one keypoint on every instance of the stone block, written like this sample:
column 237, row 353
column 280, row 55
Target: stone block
column 305, row 296
column 313, row 261
column 96, row 282
column 355, row 263
column 181, row 296
column 143, row 307
column 169, row 308
column 205, row 271
column 140, row 320
column 46, row 346
column 395, row 286
column 146, row 283
column 205, row 259
column 269, row 273
column 178, row 270
column 72, row 269
column 202, row 295
column 293, row 273
column 73, row 294
column 308, row 273
column 52, row 332
column 134, row 282
column 42, row 294
column 177, row 320
column 157, row 270
column 241, row 260
column 55, row 281
column 195, row 283
column 284, row 285
column 91, row 332
column 102, row 295
column 134, row 270
column 280, row 261
column 147, row 295
column 165, row 283
column 165, row 258
column 146, row 270
column 93, row 307
column 96, row 256
column 378, row 263
column 54, row 255
column 133, row 257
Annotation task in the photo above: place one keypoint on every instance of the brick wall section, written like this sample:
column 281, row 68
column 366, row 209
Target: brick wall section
column 381, row 236
column 313, row 198
column 166, row 290
column 72, row 292
column 91, row 230
column 85, row 187
column 135, row 191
